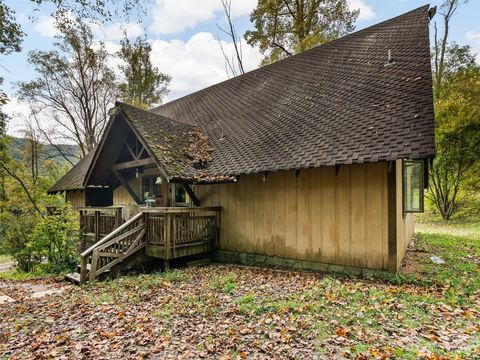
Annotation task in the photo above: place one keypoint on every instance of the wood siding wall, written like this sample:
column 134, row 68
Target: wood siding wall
column 75, row 198
column 318, row 215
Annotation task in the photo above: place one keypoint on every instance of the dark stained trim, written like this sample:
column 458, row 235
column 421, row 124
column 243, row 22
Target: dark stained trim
column 192, row 195
column 127, row 186
column 133, row 164
column 98, row 150
column 392, row 217
column 146, row 147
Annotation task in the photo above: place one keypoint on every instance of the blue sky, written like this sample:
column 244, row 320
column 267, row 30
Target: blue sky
column 185, row 36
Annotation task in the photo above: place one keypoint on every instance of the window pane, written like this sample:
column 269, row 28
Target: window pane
column 180, row 195
column 413, row 186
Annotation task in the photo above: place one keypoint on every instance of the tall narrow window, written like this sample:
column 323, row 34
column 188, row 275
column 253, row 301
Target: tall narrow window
column 150, row 186
column 181, row 197
column 413, row 178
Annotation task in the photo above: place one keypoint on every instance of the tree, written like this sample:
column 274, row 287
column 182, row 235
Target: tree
column 144, row 84
column 3, row 153
column 74, row 87
column 233, row 64
column 447, row 10
column 11, row 35
column 457, row 136
column 456, row 85
column 287, row 27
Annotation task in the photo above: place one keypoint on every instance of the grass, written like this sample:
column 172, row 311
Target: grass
column 5, row 259
column 427, row 311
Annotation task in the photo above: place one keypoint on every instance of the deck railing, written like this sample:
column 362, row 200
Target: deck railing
column 176, row 227
column 98, row 222
column 171, row 229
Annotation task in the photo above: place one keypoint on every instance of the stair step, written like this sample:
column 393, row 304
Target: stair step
column 73, row 277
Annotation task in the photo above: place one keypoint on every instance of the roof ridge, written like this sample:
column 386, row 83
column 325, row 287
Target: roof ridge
column 293, row 57
column 150, row 113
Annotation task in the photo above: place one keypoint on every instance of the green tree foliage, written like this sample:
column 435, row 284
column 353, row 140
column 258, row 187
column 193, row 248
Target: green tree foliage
column 457, row 121
column 456, row 89
column 74, row 87
column 287, row 27
column 43, row 245
column 144, row 84
column 11, row 34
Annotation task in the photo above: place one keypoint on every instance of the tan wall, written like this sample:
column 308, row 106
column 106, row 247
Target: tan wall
column 405, row 224
column 318, row 216
column 75, row 198
column 121, row 195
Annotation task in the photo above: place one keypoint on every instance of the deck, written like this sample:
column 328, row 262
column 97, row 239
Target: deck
column 166, row 233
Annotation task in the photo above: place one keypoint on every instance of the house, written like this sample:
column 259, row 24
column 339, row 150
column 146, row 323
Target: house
column 318, row 161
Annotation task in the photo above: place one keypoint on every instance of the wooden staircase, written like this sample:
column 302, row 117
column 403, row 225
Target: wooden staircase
column 111, row 250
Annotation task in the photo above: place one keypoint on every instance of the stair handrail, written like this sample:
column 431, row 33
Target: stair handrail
column 110, row 236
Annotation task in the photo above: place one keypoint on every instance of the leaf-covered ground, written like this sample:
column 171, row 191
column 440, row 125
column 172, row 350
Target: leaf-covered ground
column 430, row 311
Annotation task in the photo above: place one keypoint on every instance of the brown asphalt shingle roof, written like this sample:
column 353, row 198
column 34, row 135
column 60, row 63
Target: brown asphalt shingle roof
column 73, row 180
column 335, row 104
column 339, row 103
column 166, row 138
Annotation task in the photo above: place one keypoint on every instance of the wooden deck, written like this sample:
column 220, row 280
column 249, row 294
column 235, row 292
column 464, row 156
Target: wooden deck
column 98, row 222
column 165, row 233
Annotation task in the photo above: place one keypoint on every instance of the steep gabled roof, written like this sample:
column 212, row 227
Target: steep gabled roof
column 166, row 138
column 73, row 180
column 339, row 103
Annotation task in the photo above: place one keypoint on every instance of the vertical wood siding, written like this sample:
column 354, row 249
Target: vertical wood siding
column 75, row 198
column 318, row 215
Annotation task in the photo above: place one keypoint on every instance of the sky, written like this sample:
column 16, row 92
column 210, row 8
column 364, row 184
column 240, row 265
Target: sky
column 185, row 39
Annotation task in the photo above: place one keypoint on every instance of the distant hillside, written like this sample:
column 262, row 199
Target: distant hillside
column 48, row 151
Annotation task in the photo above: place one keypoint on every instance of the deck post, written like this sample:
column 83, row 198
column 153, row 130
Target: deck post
column 93, row 267
column 168, row 233
column 146, row 220
column 118, row 217
column 83, row 269
column 97, row 225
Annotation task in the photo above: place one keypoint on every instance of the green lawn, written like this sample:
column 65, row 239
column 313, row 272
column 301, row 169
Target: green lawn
column 428, row 311
column 5, row 259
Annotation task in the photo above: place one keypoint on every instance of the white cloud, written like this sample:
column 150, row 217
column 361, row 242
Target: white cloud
column 17, row 111
column 198, row 62
column 114, row 32
column 45, row 26
column 174, row 16
column 366, row 11
column 474, row 38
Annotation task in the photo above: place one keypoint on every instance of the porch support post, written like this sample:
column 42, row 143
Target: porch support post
column 127, row 186
column 192, row 195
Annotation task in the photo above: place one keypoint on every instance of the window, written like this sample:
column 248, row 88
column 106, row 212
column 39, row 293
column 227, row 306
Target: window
column 150, row 186
column 413, row 178
column 181, row 197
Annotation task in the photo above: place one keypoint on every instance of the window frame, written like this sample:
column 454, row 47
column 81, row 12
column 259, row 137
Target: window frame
column 422, row 187
column 174, row 196
column 152, row 178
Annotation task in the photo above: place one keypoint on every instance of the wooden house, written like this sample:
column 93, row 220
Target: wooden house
column 317, row 161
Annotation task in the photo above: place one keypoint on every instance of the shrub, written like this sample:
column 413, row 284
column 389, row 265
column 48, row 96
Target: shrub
column 15, row 233
column 41, row 245
column 55, row 240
